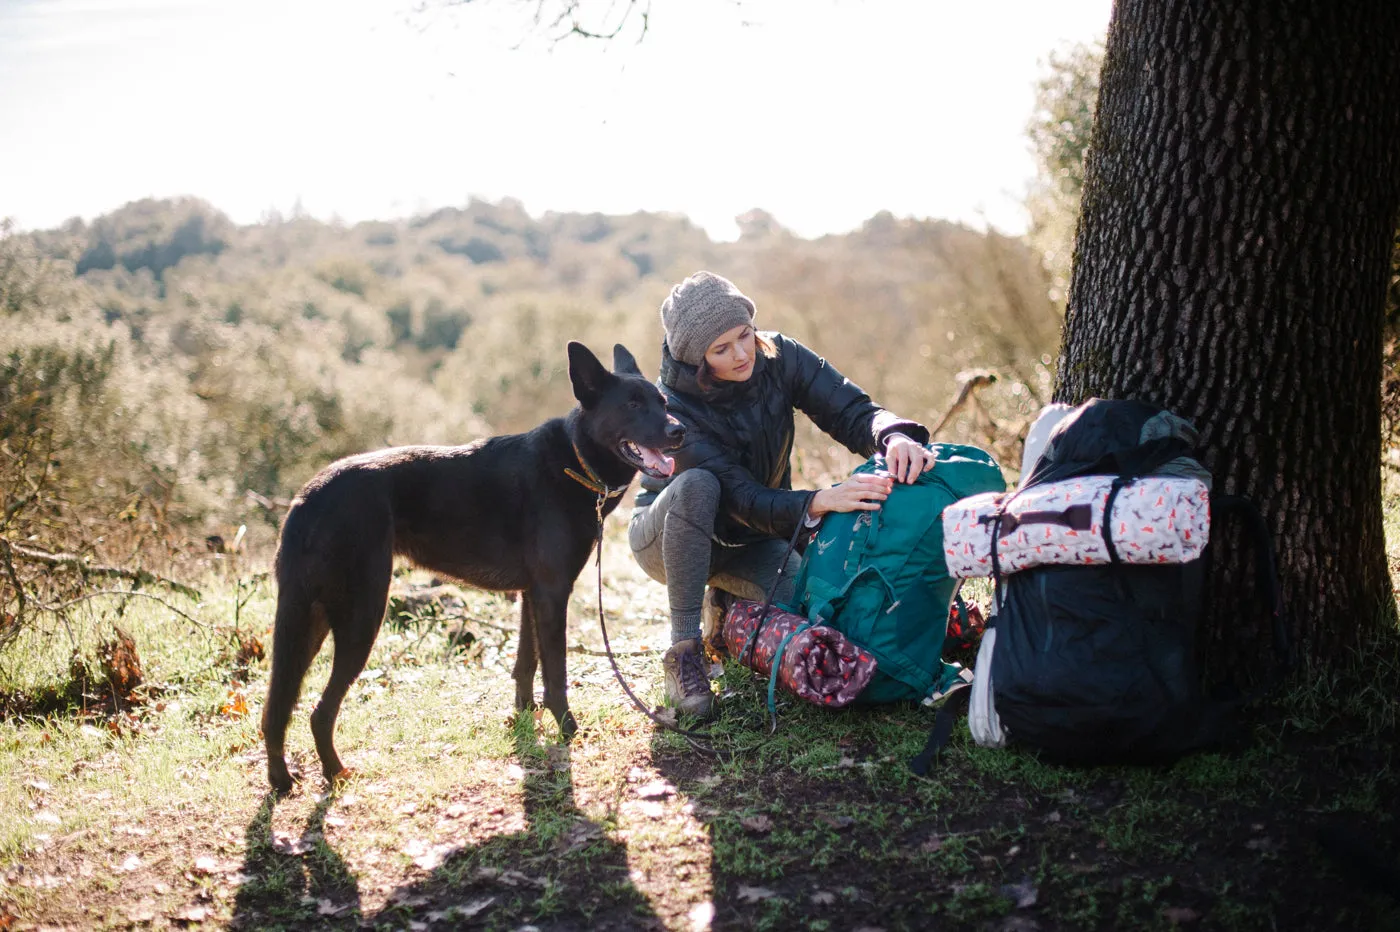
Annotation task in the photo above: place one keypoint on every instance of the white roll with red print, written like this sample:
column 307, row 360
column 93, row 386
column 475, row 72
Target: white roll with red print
column 1155, row 519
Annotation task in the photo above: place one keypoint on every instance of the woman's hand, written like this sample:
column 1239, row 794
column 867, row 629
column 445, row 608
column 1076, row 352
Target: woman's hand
column 905, row 458
column 865, row 492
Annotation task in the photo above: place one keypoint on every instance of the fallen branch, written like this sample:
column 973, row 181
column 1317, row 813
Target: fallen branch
column 970, row 381
column 70, row 561
column 580, row 649
column 58, row 609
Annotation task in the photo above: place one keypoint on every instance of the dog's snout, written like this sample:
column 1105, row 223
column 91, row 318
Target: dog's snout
column 675, row 430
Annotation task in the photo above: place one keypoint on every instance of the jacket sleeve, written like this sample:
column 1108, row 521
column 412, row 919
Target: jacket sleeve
column 771, row 512
column 838, row 406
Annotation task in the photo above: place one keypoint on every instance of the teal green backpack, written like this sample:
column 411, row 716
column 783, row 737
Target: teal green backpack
column 880, row 577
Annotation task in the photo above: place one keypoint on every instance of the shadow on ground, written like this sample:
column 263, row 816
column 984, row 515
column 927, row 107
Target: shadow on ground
column 559, row 872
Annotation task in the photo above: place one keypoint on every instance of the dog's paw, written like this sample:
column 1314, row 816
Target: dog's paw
column 342, row 777
column 283, row 781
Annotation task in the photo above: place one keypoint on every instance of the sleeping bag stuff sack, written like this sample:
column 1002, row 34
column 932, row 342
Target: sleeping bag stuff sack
column 880, row 578
column 1155, row 520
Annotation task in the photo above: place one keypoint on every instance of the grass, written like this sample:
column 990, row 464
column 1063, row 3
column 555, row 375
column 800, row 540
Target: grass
column 463, row 815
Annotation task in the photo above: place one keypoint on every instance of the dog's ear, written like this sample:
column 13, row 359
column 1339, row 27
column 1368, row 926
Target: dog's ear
column 624, row 362
column 587, row 373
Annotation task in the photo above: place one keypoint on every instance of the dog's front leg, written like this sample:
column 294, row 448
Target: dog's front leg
column 525, row 656
column 550, row 609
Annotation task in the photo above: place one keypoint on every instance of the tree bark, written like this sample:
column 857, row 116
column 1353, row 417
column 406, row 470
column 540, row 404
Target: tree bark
column 1231, row 264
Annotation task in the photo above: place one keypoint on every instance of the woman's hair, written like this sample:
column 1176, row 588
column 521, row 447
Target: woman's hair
column 705, row 376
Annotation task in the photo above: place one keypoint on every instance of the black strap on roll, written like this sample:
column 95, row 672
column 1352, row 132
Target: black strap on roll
column 1113, row 490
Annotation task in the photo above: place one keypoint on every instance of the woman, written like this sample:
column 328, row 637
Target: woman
column 726, row 514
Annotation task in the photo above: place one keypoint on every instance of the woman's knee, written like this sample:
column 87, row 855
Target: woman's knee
column 696, row 491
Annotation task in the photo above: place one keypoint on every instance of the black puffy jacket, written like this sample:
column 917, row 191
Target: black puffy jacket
column 743, row 432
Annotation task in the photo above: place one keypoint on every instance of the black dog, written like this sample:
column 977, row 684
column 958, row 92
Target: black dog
column 514, row 513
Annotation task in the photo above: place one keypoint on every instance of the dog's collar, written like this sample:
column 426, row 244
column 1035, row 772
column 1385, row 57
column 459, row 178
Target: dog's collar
column 590, row 480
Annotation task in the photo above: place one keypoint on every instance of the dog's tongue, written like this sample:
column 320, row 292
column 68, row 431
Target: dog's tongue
column 657, row 461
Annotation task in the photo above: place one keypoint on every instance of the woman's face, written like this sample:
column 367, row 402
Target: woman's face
column 731, row 356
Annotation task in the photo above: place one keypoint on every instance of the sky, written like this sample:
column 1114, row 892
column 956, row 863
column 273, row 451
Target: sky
column 821, row 112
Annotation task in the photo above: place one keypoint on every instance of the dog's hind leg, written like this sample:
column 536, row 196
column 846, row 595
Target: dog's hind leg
column 298, row 632
column 353, row 632
column 525, row 656
column 550, row 609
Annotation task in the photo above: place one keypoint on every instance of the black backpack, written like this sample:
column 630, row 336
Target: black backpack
column 1097, row 664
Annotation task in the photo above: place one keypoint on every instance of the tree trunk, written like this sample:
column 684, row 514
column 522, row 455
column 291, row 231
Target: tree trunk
column 1231, row 264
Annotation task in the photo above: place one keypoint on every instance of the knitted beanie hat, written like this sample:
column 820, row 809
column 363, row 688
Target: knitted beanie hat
column 698, row 311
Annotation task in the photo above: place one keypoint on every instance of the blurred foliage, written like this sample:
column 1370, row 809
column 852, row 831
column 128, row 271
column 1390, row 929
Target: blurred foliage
column 1059, row 130
column 1390, row 370
column 166, row 374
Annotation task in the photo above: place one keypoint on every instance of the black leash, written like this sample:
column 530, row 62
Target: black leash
column 687, row 734
column 768, row 598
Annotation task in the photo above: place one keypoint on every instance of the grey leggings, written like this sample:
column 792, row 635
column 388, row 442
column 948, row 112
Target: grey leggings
column 672, row 539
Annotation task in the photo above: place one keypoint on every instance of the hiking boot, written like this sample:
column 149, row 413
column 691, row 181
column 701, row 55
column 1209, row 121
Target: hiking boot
column 687, row 679
column 716, row 606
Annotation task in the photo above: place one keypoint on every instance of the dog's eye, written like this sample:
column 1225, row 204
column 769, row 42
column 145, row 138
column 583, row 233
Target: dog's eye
column 635, row 405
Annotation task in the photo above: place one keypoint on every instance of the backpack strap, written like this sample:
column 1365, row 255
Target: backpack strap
column 1113, row 490
column 942, row 731
column 777, row 578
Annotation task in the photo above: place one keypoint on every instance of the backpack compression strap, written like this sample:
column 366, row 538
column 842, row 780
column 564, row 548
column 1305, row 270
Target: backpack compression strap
column 942, row 732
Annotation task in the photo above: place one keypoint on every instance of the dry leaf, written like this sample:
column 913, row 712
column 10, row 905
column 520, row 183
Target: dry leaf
column 701, row 916
column 1180, row 915
column 754, row 894
column 205, row 865
column 192, row 914
column 931, row 846
column 432, row 859
column 473, row 908
column 823, row 898
column 650, row 808
column 508, row 878
column 328, row 908
column 236, row 706
column 284, row 843
column 137, row 914
column 582, row 833
column 38, row 786
column 456, row 811
column 757, row 823
column 840, row 823
column 132, row 862
column 407, row 809
column 656, row 789
column 1023, row 894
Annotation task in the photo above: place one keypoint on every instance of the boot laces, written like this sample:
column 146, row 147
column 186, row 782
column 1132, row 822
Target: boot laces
column 694, row 677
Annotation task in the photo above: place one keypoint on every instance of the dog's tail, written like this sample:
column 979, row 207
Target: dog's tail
column 296, row 634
